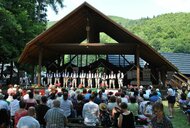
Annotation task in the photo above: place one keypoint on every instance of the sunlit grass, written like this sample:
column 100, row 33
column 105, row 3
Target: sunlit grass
column 180, row 119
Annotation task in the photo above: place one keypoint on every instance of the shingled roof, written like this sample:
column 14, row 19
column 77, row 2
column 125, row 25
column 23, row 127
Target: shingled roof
column 180, row 60
column 66, row 35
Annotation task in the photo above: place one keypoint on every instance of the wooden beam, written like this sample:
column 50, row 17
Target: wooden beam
column 40, row 66
column 137, row 55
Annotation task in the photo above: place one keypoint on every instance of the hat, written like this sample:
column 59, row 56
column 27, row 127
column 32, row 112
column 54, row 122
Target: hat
column 157, row 90
column 103, row 107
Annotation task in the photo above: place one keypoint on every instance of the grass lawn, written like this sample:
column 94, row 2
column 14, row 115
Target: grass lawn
column 180, row 119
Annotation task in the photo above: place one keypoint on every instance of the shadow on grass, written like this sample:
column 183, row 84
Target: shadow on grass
column 180, row 119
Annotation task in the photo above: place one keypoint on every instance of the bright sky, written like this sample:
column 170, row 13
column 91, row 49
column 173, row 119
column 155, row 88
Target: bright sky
column 131, row 9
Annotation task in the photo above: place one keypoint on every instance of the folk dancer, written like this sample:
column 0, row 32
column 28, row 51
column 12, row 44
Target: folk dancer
column 120, row 77
column 74, row 77
column 89, row 77
column 49, row 78
column 104, row 80
column 57, row 76
column 97, row 77
column 82, row 78
column 112, row 78
column 65, row 76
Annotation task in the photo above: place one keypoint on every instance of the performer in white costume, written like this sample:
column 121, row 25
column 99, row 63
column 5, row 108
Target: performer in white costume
column 49, row 78
column 65, row 76
column 120, row 77
column 82, row 78
column 74, row 77
column 57, row 76
column 104, row 79
column 89, row 77
column 97, row 77
column 112, row 78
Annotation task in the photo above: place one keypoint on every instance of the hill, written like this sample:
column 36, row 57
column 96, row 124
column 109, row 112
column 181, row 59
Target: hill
column 166, row 33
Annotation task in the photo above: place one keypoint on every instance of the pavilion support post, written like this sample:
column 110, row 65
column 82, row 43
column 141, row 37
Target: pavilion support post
column 93, row 35
column 40, row 66
column 137, row 55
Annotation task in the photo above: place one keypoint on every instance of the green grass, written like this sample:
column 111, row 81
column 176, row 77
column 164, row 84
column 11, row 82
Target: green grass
column 180, row 119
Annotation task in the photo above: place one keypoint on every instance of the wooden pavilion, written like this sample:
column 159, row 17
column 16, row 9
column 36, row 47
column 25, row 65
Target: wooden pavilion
column 86, row 22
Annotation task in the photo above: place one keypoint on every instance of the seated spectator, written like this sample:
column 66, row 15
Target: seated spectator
column 126, row 118
column 4, row 118
column 20, row 113
column 66, row 105
column 116, row 112
column 78, row 105
column 90, row 113
column 112, row 103
column 55, row 117
column 31, row 101
column 183, row 97
column 154, row 97
column 41, row 110
column 29, row 121
column 104, row 116
column 160, row 120
column 133, row 107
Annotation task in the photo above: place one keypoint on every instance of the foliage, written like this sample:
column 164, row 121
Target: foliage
column 165, row 33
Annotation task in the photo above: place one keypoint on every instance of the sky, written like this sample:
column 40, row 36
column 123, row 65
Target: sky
column 130, row 9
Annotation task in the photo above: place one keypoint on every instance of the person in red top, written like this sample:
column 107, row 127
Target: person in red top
column 20, row 113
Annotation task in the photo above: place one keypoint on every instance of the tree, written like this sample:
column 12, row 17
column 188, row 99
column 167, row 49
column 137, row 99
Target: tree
column 21, row 20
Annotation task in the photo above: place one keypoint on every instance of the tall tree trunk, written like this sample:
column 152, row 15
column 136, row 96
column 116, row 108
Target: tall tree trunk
column 2, row 67
column 11, row 73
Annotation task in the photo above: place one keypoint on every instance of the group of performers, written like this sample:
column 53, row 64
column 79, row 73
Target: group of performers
column 96, row 79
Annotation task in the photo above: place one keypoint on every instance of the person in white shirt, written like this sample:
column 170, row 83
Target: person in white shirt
column 91, row 112
column 49, row 76
column 120, row 77
column 57, row 76
column 74, row 77
column 89, row 77
column 29, row 121
column 171, row 100
column 104, row 80
column 65, row 76
column 97, row 77
column 82, row 78
column 112, row 78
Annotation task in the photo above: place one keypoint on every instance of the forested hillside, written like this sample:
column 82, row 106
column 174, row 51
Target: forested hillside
column 166, row 33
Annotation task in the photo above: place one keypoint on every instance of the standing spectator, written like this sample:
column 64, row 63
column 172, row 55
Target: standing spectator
column 90, row 112
column 55, row 116
column 20, row 113
column 29, row 121
column 126, row 119
column 41, row 110
column 171, row 100
column 160, row 120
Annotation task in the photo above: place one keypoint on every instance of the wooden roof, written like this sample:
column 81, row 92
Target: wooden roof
column 66, row 35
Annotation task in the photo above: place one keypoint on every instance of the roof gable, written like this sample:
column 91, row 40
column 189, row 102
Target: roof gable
column 86, row 22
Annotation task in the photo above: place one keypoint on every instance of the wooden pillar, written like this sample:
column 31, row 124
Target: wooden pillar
column 137, row 55
column 40, row 66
